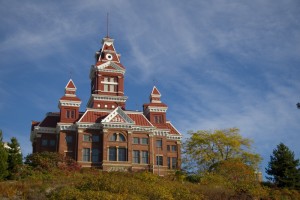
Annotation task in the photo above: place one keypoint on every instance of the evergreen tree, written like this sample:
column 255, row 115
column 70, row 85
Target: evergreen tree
column 3, row 159
column 14, row 156
column 283, row 168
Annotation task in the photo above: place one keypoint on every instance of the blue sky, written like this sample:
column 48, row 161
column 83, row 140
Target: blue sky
column 218, row 64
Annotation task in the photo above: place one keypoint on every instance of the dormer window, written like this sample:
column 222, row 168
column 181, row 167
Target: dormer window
column 110, row 84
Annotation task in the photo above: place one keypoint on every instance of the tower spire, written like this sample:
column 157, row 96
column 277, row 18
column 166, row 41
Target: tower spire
column 107, row 35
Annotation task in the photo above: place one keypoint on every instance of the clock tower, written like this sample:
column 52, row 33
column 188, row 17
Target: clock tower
column 107, row 78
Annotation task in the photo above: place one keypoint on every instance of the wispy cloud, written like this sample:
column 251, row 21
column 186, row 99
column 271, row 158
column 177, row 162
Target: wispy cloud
column 219, row 64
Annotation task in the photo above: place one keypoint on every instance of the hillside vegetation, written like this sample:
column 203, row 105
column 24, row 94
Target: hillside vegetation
column 94, row 184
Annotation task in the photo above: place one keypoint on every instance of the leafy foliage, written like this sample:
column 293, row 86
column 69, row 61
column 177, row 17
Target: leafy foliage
column 3, row 159
column 47, row 161
column 223, row 183
column 283, row 168
column 208, row 148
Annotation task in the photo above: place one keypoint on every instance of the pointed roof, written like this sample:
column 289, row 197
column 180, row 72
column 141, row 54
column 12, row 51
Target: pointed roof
column 70, row 98
column 155, row 91
column 70, row 85
column 108, row 51
column 155, row 99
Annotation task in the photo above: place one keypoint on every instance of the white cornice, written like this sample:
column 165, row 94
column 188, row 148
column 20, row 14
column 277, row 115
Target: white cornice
column 65, row 126
column 155, row 109
column 69, row 103
column 109, row 98
column 89, row 125
column 103, row 66
column 39, row 129
column 174, row 137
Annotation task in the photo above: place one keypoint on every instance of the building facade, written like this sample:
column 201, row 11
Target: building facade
column 107, row 135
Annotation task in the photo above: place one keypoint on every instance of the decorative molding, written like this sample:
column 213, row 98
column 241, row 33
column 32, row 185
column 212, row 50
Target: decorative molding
column 110, row 125
column 121, row 113
column 69, row 103
column 161, row 132
column 68, row 127
column 145, row 129
column 174, row 137
column 39, row 129
column 89, row 125
column 109, row 98
column 155, row 109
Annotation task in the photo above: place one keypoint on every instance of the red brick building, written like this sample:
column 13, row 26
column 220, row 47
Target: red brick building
column 107, row 135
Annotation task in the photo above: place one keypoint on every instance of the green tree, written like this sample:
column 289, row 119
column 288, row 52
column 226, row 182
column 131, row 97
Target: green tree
column 14, row 156
column 208, row 148
column 283, row 168
column 3, row 159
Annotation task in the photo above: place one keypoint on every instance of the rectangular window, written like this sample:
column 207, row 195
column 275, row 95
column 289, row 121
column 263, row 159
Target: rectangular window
column 168, row 148
column 86, row 138
column 174, row 148
column 112, row 88
column 52, row 143
column 136, row 156
column 112, row 153
column 145, row 157
column 95, row 138
column 174, row 163
column 159, row 144
column 159, row 160
column 70, row 114
column 69, row 139
column 158, row 119
column 95, row 155
column 122, row 154
column 86, row 155
column 110, row 84
column 44, row 142
column 136, row 140
column 144, row 140
column 169, row 163
column 105, row 88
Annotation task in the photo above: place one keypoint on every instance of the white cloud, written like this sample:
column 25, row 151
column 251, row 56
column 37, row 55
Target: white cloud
column 221, row 63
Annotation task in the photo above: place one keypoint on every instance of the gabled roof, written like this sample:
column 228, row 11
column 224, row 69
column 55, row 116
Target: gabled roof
column 50, row 120
column 93, row 116
column 103, row 65
column 122, row 117
column 173, row 130
column 139, row 119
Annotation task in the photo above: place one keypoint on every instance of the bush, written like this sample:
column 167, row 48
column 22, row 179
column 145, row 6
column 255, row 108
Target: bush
column 47, row 161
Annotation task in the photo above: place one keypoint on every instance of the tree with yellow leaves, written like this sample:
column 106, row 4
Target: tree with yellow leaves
column 206, row 149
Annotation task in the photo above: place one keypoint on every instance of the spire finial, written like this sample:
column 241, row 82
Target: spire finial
column 70, row 73
column 154, row 81
column 107, row 25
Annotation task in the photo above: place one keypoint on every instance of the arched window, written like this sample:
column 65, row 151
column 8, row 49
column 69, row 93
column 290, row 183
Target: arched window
column 117, row 137
column 113, row 137
column 121, row 138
